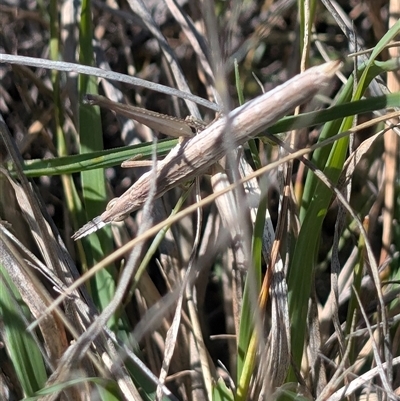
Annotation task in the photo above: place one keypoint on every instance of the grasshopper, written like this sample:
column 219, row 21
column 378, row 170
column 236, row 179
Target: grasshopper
column 193, row 155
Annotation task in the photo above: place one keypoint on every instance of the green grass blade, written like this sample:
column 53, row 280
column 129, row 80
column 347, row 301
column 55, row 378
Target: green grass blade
column 93, row 182
column 313, row 118
column 250, row 298
column 93, row 160
column 221, row 392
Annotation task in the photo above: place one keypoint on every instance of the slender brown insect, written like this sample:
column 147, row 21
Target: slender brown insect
column 193, row 156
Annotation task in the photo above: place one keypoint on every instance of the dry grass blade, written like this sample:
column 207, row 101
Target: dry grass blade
column 360, row 382
column 275, row 357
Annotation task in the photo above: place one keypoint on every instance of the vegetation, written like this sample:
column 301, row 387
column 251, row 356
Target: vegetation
column 272, row 275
